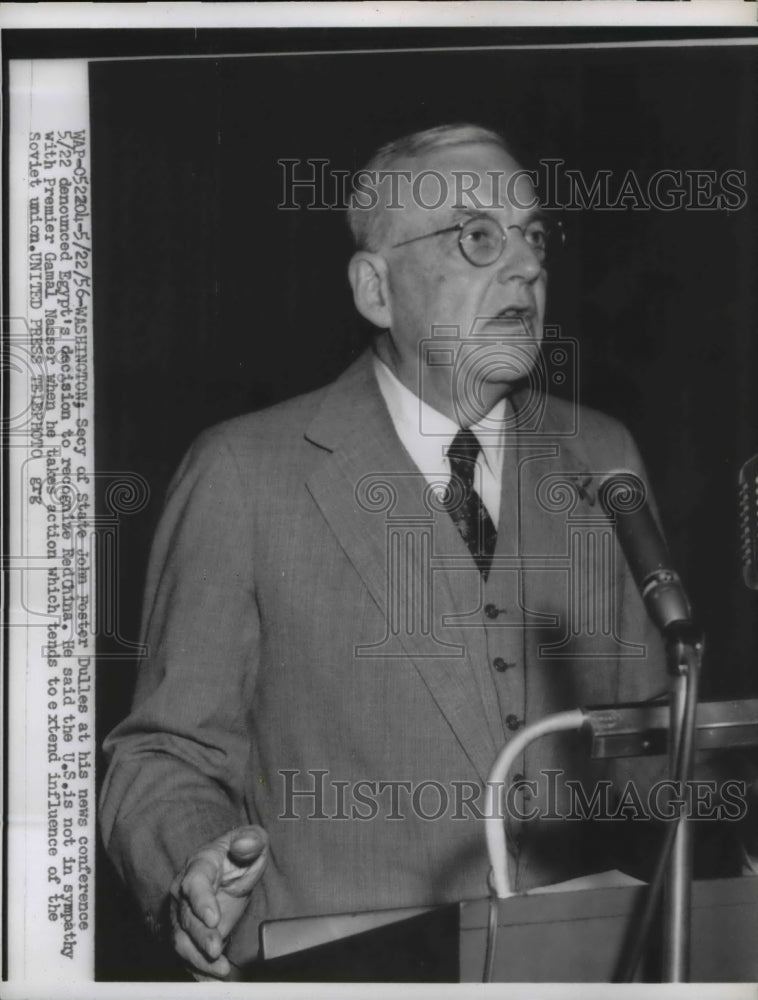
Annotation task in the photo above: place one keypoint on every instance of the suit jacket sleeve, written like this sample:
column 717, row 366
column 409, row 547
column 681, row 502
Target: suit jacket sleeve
column 177, row 763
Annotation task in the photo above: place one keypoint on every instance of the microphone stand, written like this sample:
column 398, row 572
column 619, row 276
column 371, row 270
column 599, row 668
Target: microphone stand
column 684, row 648
column 624, row 731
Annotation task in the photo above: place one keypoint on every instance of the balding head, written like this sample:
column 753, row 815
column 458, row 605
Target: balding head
column 368, row 215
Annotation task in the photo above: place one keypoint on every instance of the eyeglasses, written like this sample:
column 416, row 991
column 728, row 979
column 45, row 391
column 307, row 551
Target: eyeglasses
column 482, row 240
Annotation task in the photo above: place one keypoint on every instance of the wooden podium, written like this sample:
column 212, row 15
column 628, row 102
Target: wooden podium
column 574, row 936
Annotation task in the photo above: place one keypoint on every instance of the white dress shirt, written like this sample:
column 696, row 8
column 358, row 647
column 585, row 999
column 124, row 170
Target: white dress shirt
column 426, row 434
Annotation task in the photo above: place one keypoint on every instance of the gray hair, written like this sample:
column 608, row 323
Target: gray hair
column 369, row 225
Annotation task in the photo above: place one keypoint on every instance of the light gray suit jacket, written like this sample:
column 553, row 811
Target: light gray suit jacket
column 309, row 610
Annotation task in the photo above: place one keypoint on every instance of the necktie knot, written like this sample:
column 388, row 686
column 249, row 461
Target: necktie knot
column 462, row 455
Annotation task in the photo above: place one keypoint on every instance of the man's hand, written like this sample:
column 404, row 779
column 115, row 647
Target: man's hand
column 210, row 895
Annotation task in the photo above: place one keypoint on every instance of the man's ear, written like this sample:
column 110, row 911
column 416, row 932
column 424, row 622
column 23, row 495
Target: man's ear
column 369, row 279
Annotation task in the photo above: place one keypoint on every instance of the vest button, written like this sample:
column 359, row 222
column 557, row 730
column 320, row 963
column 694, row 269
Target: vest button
column 501, row 665
column 513, row 722
column 519, row 785
column 491, row 610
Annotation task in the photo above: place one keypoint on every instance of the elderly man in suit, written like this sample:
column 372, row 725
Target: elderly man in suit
column 357, row 597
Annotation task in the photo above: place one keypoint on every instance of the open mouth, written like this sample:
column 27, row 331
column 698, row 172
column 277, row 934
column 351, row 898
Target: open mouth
column 519, row 315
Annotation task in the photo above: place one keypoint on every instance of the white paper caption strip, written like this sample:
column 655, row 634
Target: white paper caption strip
column 51, row 521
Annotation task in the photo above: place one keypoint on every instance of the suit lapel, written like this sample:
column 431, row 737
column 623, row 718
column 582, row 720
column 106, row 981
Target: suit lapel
column 555, row 483
column 409, row 556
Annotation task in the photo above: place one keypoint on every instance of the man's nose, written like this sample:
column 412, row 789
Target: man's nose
column 519, row 258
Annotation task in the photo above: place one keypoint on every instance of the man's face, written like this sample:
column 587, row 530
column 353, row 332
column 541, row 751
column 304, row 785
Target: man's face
column 495, row 312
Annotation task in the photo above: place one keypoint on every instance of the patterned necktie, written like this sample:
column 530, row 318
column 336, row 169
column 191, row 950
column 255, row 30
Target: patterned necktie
column 465, row 505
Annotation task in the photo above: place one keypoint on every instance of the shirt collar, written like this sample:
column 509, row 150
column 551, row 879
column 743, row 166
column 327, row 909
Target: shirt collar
column 427, row 434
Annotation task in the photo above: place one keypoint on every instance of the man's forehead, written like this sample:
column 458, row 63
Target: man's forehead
column 478, row 157
column 463, row 177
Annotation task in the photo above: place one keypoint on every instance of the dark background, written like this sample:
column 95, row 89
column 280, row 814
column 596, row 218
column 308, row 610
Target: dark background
column 211, row 301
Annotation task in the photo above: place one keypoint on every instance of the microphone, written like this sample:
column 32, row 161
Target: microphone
column 623, row 496
column 749, row 521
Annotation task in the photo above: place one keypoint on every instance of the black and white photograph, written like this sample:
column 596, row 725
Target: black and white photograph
column 381, row 467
